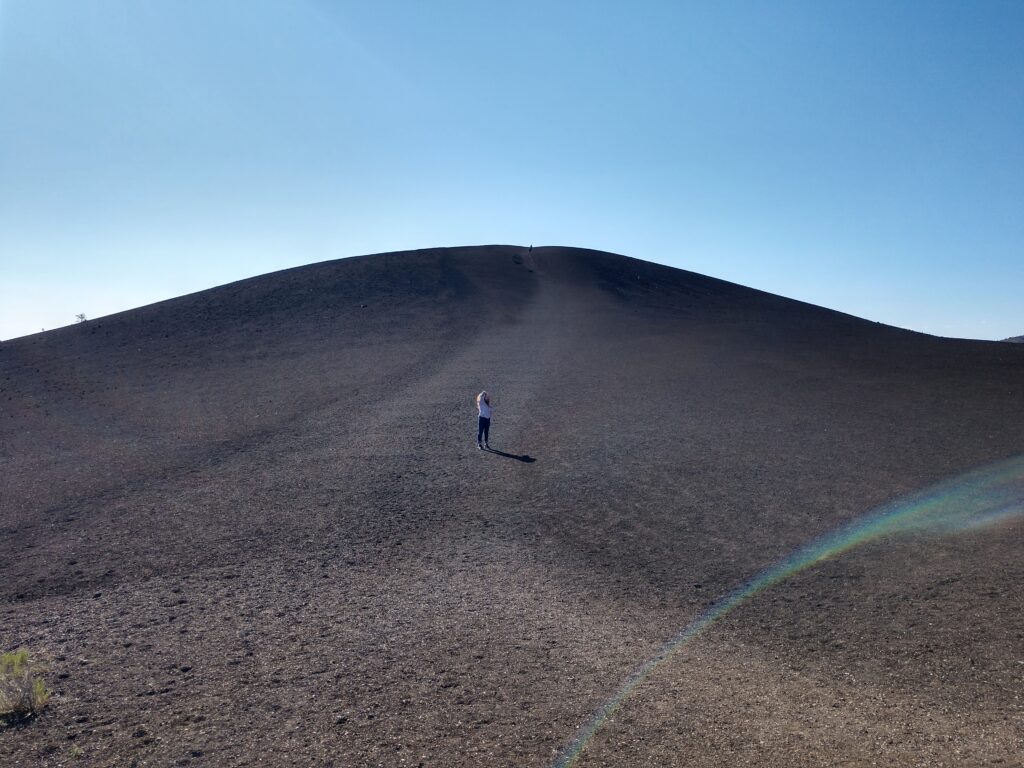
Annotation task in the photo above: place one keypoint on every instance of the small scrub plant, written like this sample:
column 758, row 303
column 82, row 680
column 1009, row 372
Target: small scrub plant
column 80, row 317
column 22, row 691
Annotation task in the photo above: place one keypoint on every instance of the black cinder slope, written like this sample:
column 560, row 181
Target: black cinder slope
column 253, row 521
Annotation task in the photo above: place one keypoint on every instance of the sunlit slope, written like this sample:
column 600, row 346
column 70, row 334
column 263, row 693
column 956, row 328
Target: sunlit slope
column 286, row 468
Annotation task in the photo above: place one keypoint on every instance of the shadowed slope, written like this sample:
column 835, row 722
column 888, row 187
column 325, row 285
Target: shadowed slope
column 262, row 506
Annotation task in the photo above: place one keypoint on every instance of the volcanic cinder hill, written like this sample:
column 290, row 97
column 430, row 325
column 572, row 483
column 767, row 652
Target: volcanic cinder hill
column 251, row 526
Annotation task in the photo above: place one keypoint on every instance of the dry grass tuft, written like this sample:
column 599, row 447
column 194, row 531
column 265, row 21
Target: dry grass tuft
column 22, row 691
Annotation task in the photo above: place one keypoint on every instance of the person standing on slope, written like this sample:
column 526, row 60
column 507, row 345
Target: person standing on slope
column 483, row 404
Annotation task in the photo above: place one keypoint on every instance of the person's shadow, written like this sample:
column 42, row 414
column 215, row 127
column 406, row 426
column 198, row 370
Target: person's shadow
column 525, row 458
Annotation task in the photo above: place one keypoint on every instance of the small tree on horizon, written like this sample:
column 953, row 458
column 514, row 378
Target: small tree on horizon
column 80, row 317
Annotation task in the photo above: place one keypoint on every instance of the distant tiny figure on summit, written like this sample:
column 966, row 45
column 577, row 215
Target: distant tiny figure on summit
column 483, row 404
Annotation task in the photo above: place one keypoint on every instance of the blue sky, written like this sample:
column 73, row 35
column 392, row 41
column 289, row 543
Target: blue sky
column 865, row 156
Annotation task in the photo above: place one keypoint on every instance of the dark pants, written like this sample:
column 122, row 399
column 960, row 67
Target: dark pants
column 482, row 429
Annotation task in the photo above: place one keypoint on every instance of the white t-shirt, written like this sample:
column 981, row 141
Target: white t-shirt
column 485, row 409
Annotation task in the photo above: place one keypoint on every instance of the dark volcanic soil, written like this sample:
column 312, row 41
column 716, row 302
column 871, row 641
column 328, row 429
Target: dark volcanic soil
column 250, row 526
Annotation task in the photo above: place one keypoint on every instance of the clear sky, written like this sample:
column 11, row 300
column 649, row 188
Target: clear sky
column 866, row 156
